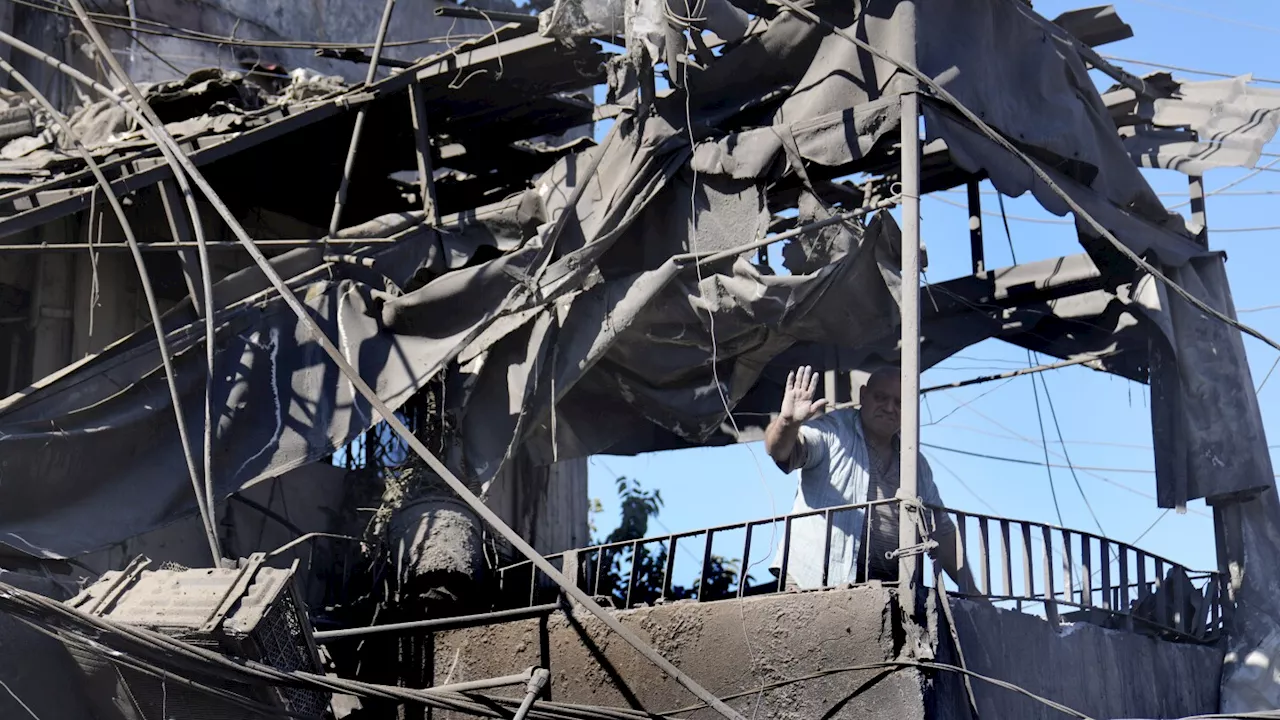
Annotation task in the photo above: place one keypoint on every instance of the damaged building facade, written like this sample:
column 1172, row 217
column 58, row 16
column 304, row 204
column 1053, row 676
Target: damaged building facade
column 306, row 343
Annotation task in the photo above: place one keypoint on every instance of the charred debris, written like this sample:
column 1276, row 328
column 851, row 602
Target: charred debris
column 410, row 306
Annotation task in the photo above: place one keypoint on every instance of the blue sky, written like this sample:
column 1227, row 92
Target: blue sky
column 1105, row 420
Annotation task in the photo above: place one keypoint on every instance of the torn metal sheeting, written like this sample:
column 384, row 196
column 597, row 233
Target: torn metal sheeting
column 572, row 305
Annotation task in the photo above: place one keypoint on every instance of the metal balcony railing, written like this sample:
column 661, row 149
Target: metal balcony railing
column 1059, row 573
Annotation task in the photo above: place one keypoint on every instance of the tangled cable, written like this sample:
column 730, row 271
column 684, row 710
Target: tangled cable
column 194, row 667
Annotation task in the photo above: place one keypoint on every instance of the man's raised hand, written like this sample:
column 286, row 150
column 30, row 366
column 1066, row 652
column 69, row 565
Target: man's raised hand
column 798, row 405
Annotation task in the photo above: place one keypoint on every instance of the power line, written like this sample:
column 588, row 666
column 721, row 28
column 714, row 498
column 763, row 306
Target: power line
column 1258, row 309
column 1038, row 463
column 1054, row 414
column 1208, row 16
column 1268, row 376
column 120, row 22
column 1176, row 68
column 1059, row 221
column 1044, row 442
column 1086, row 470
column 1150, row 528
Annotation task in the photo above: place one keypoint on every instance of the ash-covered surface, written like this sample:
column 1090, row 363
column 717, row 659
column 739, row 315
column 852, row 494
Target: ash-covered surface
column 729, row 647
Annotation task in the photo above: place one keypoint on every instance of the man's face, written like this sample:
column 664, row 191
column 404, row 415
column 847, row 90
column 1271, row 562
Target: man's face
column 881, row 401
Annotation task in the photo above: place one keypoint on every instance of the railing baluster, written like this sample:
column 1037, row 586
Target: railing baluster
column 1162, row 597
column 746, row 561
column 786, row 554
column 1106, row 575
column 962, row 542
column 706, row 566
column 670, row 568
column 599, row 562
column 1006, row 560
column 1068, row 567
column 635, row 570
column 1123, row 604
column 1143, row 589
column 1181, row 621
column 1050, row 604
column 1028, row 573
column 826, row 550
column 1086, row 570
column 984, row 554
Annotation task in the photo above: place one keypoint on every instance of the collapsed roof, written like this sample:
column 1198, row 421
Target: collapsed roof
column 610, row 299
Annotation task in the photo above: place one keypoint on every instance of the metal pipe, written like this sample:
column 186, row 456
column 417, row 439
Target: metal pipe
column 147, row 291
column 976, row 250
column 442, row 624
column 345, row 367
column 282, row 244
column 359, row 56
column 341, row 200
column 539, row 680
column 910, row 371
column 487, row 684
column 206, row 268
column 498, row 16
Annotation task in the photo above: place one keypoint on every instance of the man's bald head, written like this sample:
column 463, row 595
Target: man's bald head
column 881, row 400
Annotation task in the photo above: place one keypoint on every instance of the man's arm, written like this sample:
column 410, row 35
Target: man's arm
column 798, row 407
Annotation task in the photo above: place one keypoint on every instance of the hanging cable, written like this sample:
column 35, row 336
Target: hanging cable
column 152, row 27
column 148, row 292
column 1044, row 441
column 1177, row 68
column 344, row 366
column 1039, row 172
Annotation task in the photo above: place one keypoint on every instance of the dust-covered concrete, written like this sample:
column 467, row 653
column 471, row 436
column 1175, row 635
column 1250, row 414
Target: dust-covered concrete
column 730, row 647
column 1101, row 673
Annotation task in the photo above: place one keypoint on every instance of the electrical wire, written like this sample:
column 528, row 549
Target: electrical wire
column 1058, row 221
column 206, row 512
column 156, row 653
column 1053, row 414
column 1208, row 16
column 1044, row 441
column 1177, row 68
column 397, row 425
column 1037, row 463
column 1258, row 309
column 1086, row 470
column 120, row 22
column 1268, row 377
column 1039, row 172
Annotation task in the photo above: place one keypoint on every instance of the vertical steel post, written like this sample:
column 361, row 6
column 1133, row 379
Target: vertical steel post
column 910, row 174
column 426, row 171
column 340, row 201
column 975, row 228
column 1195, row 184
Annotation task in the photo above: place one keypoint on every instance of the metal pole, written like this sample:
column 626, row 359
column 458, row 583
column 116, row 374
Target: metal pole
column 1196, row 186
column 344, row 366
column 975, row 228
column 442, row 624
column 426, row 171
column 910, row 437
column 335, row 222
